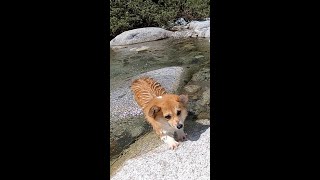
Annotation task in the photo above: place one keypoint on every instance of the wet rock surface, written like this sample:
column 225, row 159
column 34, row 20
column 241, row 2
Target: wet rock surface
column 192, row 88
column 199, row 101
column 181, row 66
column 202, row 75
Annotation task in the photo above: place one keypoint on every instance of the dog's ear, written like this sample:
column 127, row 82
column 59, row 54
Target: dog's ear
column 153, row 111
column 183, row 99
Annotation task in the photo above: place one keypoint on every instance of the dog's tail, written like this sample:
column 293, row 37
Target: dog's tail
column 145, row 89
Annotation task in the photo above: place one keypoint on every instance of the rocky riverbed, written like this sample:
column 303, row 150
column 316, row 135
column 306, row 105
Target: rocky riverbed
column 199, row 29
column 173, row 63
column 182, row 66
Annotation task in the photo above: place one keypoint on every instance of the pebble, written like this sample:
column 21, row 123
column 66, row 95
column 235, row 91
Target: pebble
column 199, row 56
column 192, row 88
column 142, row 48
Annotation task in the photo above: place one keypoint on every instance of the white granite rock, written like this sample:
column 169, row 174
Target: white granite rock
column 191, row 160
column 140, row 35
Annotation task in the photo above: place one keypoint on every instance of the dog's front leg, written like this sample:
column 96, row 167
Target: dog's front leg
column 173, row 144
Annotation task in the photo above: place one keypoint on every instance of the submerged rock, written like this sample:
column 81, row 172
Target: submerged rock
column 199, row 101
column 205, row 99
column 142, row 48
column 192, row 88
column 202, row 75
column 199, row 56
column 200, row 107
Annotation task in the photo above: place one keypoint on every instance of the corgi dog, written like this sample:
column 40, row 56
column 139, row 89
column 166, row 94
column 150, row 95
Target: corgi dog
column 165, row 112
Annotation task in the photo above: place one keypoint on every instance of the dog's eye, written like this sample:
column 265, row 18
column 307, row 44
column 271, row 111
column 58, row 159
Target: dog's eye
column 178, row 112
column 168, row 117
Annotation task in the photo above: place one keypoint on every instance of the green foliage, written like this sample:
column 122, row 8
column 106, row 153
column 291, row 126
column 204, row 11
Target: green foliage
column 131, row 14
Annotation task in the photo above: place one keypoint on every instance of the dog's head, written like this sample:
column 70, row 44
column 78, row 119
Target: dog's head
column 169, row 108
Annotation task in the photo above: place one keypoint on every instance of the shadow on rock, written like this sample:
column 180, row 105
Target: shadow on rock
column 121, row 142
column 194, row 129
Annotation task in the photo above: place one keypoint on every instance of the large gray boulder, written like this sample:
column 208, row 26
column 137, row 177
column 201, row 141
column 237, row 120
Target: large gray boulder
column 197, row 25
column 191, row 160
column 140, row 35
column 126, row 118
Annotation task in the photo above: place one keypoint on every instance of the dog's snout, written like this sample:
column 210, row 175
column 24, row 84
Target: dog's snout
column 179, row 126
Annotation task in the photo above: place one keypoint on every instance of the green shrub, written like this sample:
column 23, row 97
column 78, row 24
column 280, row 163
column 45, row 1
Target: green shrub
column 131, row 14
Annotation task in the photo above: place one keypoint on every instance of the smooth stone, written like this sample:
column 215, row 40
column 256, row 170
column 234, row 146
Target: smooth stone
column 192, row 88
column 140, row 35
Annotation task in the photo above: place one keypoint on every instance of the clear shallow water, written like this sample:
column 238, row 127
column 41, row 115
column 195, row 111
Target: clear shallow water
column 188, row 53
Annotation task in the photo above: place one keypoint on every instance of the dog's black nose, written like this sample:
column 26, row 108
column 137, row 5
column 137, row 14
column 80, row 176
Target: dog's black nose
column 179, row 126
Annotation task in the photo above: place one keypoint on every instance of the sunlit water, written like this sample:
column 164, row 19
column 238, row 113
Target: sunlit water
column 191, row 52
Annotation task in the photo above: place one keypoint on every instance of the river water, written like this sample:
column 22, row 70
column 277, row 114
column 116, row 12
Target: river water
column 188, row 53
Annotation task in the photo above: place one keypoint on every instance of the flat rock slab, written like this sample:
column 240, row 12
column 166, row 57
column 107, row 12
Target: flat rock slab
column 122, row 103
column 140, row 35
column 190, row 161
column 126, row 118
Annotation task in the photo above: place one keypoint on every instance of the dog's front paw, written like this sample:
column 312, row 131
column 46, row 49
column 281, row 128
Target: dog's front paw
column 173, row 144
column 170, row 141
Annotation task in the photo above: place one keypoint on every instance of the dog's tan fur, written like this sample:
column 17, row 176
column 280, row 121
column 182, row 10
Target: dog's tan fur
column 162, row 110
